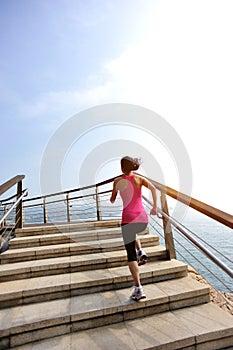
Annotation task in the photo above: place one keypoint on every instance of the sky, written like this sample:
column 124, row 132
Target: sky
column 61, row 57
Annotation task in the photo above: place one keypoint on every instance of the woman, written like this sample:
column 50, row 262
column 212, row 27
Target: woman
column 134, row 216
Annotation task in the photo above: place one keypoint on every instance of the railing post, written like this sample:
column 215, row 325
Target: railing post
column 23, row 216
column 168, row 236
column 5, row 221
column 99, row 214
column 45, row 211
column 68, row 207
column 19, row 208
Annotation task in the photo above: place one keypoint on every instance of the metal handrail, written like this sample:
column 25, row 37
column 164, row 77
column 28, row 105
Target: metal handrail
column 206, row 209
column 199, row 206
column 206, row 251
column 25, row 192
column 198, row 259
column 212, row 212
column 61, row 200
column 8, row 199
column 105, row 182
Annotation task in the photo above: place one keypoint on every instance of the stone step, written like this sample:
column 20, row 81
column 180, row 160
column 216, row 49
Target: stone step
column 32, row 230
column 25, row 324
column 73, row 280
column 203, row 327
column 77, row 283
column 67, row 264
column 59, row 250
column 67, row 237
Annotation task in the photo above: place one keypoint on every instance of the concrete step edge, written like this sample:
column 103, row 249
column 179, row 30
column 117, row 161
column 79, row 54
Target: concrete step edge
column 89, row 235
column 196, row 327
column 67, row 227
column 65, row 285
column 63, row 238
column 24, row 254
column 81, row 309
column 27, row 269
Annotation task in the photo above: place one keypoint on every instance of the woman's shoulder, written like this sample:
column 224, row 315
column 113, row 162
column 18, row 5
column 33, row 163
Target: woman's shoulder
column 120, row 183
column 138, row 177
column 140, row 180
column 117, row 179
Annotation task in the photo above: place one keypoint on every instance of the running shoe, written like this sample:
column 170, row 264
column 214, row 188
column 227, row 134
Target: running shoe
column 142, row 257
column 138, row 295
column 134, row 292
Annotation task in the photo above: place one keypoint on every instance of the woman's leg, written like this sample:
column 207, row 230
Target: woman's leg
column 138, row 244
column 132, row 262
column 140, row 227
column 129, row 236
column 142, row 256
column 133, row 267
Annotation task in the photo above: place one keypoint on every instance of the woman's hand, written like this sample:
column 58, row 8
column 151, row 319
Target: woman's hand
column 154, row 211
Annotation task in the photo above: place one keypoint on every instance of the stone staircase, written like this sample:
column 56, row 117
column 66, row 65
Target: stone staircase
column 68, row 287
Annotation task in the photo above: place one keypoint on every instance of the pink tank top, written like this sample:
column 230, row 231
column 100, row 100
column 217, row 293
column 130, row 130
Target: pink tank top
column 133, row 209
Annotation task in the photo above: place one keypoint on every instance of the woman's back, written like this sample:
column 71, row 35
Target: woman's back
column 131, row 194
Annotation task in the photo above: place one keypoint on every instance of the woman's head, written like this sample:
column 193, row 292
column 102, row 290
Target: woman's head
column 129, row 164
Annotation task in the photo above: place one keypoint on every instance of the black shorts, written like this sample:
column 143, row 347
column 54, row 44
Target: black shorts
column 129, row 232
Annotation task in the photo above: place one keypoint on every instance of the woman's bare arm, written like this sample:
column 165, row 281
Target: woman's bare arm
column 152, row 188
column 114, row 192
